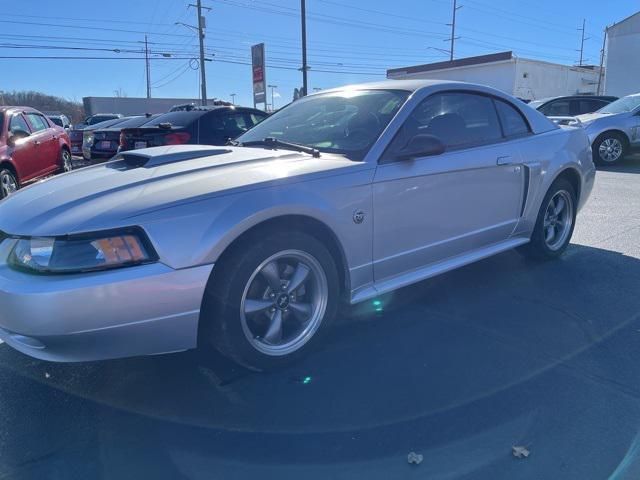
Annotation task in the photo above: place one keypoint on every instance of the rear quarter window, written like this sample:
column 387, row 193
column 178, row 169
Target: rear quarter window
column 513, row 122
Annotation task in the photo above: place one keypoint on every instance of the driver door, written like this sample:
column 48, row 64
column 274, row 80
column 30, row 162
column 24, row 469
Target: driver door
column 428, row 209
column 24, row 153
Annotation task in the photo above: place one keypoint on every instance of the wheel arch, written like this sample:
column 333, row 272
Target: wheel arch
column 572, row 175
column 617, row 131
column 302, row 223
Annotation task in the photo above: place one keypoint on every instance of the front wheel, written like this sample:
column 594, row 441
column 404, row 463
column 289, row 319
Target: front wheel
column 270, row 299
column 555, row 222
column 609, row 148
column 66, row 164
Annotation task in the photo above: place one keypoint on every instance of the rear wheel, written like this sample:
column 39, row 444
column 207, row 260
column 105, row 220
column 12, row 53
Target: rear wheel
column 8, row 182
column 66, row 164
column 555, row 222
column 271, row 299
column 609, row 148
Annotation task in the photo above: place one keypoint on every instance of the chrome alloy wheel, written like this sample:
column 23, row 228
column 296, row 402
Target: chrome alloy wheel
column 8, row 184
column 67, row 165
column 610, row 149
column 558, row 219
column 284, row 302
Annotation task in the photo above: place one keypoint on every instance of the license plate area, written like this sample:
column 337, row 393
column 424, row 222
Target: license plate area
column 139, row 144
column 105, row 144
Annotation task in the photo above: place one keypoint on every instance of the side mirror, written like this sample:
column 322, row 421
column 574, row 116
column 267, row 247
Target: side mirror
column 17, row 135
column 421, row 145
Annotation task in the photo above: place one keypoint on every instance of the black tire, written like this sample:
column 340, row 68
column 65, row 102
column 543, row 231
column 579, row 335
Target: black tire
column 538, row 247
column 221, row 323
column 611, row 137
column 5, row 173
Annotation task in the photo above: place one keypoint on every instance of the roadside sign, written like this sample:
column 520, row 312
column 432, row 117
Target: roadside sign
column 259, row 74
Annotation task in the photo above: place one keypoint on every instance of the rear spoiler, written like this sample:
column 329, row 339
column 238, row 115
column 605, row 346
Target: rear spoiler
column 562, row 120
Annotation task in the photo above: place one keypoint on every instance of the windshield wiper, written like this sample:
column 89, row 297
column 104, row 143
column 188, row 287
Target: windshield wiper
column 271, row 142
column 234, row 143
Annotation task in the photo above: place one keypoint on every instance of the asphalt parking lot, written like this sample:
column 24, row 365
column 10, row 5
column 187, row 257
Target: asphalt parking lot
column 459, row 369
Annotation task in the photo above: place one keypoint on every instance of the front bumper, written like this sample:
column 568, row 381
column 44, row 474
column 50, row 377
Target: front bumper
column 149, row 309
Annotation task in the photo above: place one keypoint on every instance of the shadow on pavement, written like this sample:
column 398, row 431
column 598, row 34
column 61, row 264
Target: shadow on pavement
column 458, row 368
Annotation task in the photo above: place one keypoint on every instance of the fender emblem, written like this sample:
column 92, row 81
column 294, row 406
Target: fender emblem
column 358, row 216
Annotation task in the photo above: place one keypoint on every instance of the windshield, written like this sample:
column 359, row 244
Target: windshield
column 622, row 105
column 345, row 121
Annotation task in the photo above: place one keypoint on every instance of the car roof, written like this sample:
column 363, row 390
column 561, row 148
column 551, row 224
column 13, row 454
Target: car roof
column 560, row 97
column 18, row 108
column 409, row 85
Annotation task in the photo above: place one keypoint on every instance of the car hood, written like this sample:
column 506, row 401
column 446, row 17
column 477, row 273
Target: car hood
column 592, row 117
column 118, row 192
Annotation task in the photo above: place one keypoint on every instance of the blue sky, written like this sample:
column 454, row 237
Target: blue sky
column 349, row 41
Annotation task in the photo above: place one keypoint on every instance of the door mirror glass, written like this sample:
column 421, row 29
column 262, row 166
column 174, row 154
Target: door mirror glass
column 16, row 135
column 421, row 145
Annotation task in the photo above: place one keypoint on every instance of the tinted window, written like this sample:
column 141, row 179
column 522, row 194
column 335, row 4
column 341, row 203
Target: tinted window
column 131, row 122
column 18, row 123
column 556, row 108
column 591, row 105
column 57, row 121
column 458, row 119
column 513, row 123
column 37, row 122
column 177, row 119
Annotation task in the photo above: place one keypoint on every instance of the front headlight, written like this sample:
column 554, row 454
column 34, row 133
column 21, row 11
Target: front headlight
column 88, row 139
column 82, row 253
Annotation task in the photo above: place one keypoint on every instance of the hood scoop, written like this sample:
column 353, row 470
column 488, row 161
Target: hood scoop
column 152, row 157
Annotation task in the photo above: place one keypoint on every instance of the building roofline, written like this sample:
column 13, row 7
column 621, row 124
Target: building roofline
column 461, row 62
column 616, row 24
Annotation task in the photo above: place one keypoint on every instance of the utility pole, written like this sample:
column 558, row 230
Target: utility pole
column 201, row 27
column 146, row 59
column 582, row 41
column 273, row 105
column 303, row 16
column 453, row 28
column 604, row 41
column 233, row 98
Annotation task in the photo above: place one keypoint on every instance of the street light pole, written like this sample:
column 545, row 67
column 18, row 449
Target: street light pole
column 203, row 76
column 146, row 59
column 273, row 105
column 233, row 98
column 303, row 16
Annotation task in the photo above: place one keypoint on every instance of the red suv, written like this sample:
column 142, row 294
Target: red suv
column 31, row 147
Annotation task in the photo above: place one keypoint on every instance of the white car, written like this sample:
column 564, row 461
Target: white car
column 340, row 196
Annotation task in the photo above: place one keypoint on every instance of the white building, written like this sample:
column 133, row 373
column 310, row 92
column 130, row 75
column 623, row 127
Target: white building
column 520, row 77
column 623, row 57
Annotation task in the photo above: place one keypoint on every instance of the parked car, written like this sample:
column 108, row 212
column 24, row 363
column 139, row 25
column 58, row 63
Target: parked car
column 572, row 105
column 613, row 130
column 344, row 194
column 203, row 125
column 61, row 121
column 31, row 147
column 103, row 141
column 77, row 135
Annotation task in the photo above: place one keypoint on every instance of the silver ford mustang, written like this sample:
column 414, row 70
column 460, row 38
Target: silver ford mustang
column 341, row 196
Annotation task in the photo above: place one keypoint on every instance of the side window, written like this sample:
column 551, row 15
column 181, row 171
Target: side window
column 558, row 108
column 459, row 120
column 234, row 124
column 256, row 119
column 37, row 122
column 513, row 123
column 18, row 122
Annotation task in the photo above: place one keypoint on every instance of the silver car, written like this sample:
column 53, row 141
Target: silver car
column 613, row 130
column 343, row 195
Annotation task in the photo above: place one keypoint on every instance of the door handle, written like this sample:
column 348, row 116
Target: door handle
column 36, row 143
column 505, row 160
